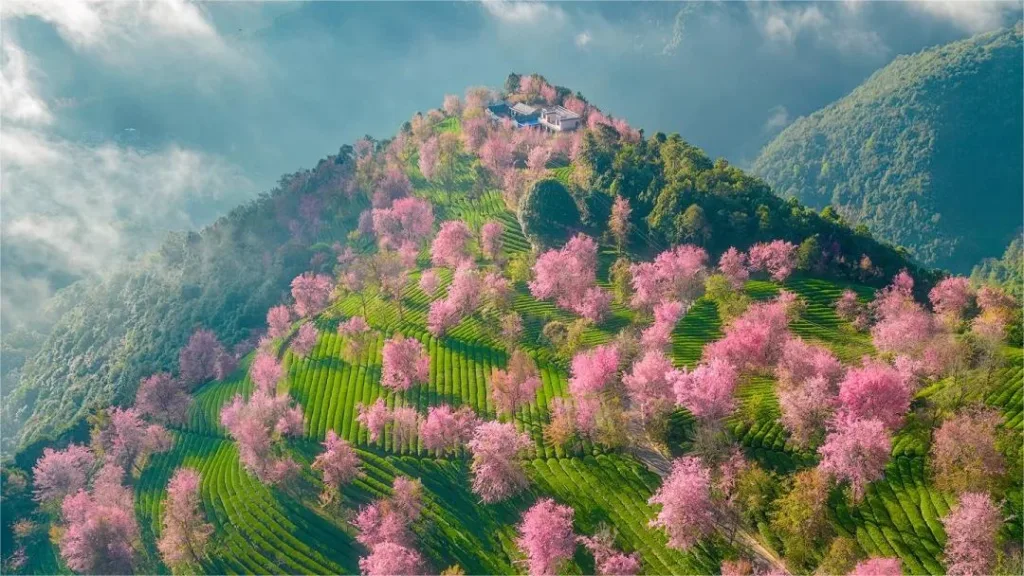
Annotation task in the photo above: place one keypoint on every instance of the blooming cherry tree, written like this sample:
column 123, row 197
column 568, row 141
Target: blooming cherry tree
column 515, row 386
column 546, row 536
column 951, row 297
column 305, row 340
column 677, row 274
column 311, row 292
column 446, row 430
column 449, row 247
column 257, row 425
column 648, row 386
column 777, row 258
column 733, row 265
column 266, row 372
column 404, row 363
column 971, row 529
column 875, row 391
column 61, row 473
column 279, row 320
column 490, row 239
column 430, row 281
column 855, row 451
column 185, row 531
column 877, row 567
column 687, row 511
column 707, row 390
column 497, row 471
column 162, row 398
column 338, row 463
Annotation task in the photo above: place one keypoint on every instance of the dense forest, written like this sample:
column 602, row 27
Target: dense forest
column 926, row 152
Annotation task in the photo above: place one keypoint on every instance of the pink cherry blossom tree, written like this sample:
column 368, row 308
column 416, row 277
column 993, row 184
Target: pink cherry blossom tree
column 755, row 340
column 569, row 277
column 546, row 536
column 648, row 386
column 619, row 225
column 609, row 561
column 266, row 372
column 311, row 292
column 466, row 289
column 951, row 297
column 850, row 309
column 516, row 386
column 430, row 153
column 801, row 361
column 374, row 417
column 777, row 258
column 257, row 425
column 450, row 245
column 338, row 463
column 496, row 154
column 61, row 473
column 677, row 274
column 875, row 391
column 497, row 471
column 405, row 420
column 733, row 264
column 510, row 329
column 198, row 360
column 279, row 320
column 707, row 390
column 807, row 409
column 537, row 160
column 404, row 363
column 971, row 529
column 407, row 220
column 965, row 456
column 687, row 511
column 855, row 451
column 445, row 430
column 391, row 559
column 127, row 439
column 392, row 185
column 358, row 336
column 305, row 340
column 659, row 335
column 442, row 316
column 430, row 281
column 490, row 239
column 877, row 567
column 452, row 105
column 185, row 531
column 163, row 399
column 100, row 530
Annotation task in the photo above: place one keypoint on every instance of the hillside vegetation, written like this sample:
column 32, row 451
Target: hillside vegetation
column 925, row 153
column 702, row 379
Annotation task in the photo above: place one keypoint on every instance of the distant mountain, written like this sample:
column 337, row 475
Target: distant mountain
column 926, row 152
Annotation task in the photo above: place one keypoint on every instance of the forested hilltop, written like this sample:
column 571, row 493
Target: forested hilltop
column 926, row 152
column 509, row 349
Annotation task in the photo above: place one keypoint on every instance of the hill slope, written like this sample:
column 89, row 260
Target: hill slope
column 926, row 152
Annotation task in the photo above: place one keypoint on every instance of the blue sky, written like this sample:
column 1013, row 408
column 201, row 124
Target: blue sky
column 124, row 120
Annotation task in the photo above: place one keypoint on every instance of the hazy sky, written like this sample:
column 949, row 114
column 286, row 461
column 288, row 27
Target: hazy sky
column 123, row 120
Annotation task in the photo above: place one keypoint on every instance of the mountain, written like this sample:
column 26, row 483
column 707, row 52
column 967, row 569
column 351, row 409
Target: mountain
column 113, row 332
column 926, row 152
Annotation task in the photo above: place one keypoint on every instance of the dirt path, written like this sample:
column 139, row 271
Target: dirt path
column 662, row 466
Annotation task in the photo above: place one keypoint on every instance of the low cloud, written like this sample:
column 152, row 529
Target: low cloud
column 19, row 98
column 88, row 209
column 778, row 118
column 523, row 11
column 970, row 16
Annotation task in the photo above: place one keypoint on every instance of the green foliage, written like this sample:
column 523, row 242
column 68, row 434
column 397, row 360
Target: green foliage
column 926, row 152
column 548, row 214
column 1006, row 272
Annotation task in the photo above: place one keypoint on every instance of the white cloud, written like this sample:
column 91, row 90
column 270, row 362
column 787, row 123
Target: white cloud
column 19, row 100
column 124, row 32
column 969, row 15
column 524, row 11
column 778, row 117
column 583, row 39
column 844, row 28
column 94, row 206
